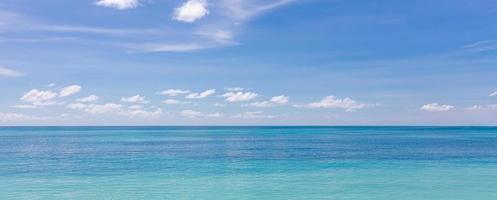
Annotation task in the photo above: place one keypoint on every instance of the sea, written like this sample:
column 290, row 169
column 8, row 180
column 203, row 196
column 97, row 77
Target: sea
column 235, row 162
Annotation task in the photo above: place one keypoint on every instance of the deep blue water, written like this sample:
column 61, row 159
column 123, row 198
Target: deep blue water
column 248, row 163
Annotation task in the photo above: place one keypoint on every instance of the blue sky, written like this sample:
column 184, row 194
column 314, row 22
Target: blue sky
column 248, row 62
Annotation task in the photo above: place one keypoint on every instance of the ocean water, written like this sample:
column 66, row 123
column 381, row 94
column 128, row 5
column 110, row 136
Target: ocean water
column 374, row 163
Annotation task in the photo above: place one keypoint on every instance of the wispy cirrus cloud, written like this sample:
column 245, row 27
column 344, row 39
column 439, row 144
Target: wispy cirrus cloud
column 228, row 17
column 481, row 46
column 4, row 71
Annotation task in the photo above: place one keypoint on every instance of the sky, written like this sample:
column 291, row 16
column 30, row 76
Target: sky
column 248, row 62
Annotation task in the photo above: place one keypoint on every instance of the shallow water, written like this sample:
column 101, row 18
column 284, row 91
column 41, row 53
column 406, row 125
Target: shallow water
column 248, row 163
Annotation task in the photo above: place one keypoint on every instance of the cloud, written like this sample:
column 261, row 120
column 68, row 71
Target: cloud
column 234, row 89
column 280, row 99
column 481, row 46
column 332, row 102
column 493, row 94
column 91, row 98
column 219, row 105
column 25, row 106
column 69, row 90
column 117, row 109
column 195, row 114
column 436, row 107
column 201, row 95
column 15, row 117
column 174, row 92
column 39, row 98
column 173, row 101
column 245, row 9
column 261, row 104
column 475, row 107
column 239, row 96
column 135, row 99
column 10, row 72
column 118, row 4
column 190, row 11
column 254, row 115
column 482, row 108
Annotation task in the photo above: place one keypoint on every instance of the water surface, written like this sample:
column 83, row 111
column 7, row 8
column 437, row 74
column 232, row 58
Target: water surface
column 376, row 163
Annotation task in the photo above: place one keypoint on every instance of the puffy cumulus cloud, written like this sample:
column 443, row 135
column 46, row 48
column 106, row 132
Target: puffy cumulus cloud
column 190, row 11
column 116, row 109
column 135, row 99
column 239, row 96
column 91, row 98
column 266, row 104
column 174, row 92
column 118, row 4
column 282, row 99
column 39, row 98
column 254, row 115
column 333, row 102
column 69, row 90
column 201, row 95
column 10, row 72
column 493, row 94
column 195, row 114
column 436, row 107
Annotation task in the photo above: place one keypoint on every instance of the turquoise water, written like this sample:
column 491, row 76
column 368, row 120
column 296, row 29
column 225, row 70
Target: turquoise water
column 449, row 163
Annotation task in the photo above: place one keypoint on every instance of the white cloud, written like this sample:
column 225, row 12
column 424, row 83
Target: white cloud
column 436, row 107
column 172, row 101
column 239, row 96
column 51, row 85
column 261, row 104
column 475, row 107
column 246, row 9
column 77, row 106
column 254, row 115
column 191, row 10
column 91, row 98
column 481, row 46
column 174, row 92
column 15, row 117
column 10, row 72
column 332, row 102
column 280, row 99
column 234, row 89
column 135, row 99
column 195, row 114
column 104, row 108
column 118, row 4
column 25, row 106
column 494, row 94
column 69, row 90
column 116, row 109
column 201, row 95
column 219, row 105
column 39, row 98
column 482, row 108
